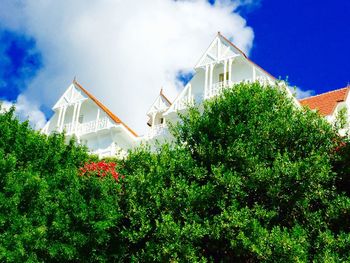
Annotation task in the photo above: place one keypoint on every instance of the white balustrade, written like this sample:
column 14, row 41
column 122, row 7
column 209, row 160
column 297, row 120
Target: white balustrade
column 156, row 130
column 184, row 102
column 87, row 127
column 217, row 88
column 264, row 80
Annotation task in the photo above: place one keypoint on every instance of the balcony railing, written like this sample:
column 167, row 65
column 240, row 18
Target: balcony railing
column 112, row 150
column 217, row 88
column 157, row 130
column 184, row 102
column 87, row 127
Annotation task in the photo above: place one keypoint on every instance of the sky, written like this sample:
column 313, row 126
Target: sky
column 125, row 51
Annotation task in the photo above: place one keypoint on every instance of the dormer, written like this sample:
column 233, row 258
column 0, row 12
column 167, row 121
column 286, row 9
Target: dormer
column 219, row 51
column 71, row 96
column 159, row 106
column 79, row 113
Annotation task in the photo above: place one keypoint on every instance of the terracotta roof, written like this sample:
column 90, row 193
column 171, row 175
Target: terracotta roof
column 325, row 103
column 104, row 108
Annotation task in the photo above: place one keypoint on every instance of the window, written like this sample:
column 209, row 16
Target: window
column 161, row 120
column 221, row 77
column 81, row 118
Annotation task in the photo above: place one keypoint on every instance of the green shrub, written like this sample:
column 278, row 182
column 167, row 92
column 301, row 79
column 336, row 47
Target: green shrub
column 48, row 212
column 250, row 178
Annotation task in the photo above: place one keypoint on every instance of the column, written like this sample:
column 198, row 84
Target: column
column 225, row 69
column 73, row 117
column 97, row 118
column 206, row 81
column 59, row 118
column 211, row 79
column 230, row 70
column 153, row 119
column 77, row 117
column 189, row 95
column 63, row 116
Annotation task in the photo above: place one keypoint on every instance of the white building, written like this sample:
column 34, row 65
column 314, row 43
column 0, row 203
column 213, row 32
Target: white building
column 80, row 114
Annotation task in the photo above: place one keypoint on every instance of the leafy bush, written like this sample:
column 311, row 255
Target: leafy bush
column 250, row 178
column 48, row 212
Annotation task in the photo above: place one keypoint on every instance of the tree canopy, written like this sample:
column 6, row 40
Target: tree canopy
column 48, row 213
column 249, row 177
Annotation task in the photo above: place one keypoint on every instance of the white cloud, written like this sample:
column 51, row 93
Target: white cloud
column 121, row 51
column 300, row 94
column 26, row 110
column 250, row 5
column 5, row 106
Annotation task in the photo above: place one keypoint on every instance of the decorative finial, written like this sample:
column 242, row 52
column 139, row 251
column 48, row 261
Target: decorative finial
column 161, row 91
column 75, row 79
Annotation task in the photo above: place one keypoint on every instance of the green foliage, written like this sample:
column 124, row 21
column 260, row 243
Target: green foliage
column 250, row 178
column 341, row 118
column 48, row 212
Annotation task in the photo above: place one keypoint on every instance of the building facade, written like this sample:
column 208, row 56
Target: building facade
column 78, row 113
column 222, row 65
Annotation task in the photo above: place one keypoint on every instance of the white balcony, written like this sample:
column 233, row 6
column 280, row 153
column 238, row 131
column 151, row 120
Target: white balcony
column 111, row 150
column 157, row 130
column 217, row 88
column 184, row 102
column 87, row 127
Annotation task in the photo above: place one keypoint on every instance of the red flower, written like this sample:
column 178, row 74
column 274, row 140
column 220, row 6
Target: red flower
column 340, row 146
column 100, row 169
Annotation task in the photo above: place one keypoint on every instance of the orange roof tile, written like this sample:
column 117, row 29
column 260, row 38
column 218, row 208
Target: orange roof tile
column 325, row 103
column 104, row 108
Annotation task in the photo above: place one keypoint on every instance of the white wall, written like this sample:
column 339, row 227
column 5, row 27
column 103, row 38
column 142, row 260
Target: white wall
column 89, row 111
column 53, row 122
column 197, row 83
column 69, row 115
column 241, row 70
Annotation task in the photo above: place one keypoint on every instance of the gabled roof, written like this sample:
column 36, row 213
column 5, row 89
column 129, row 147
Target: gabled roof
column 70, row 96
column 103, row 107
column 163, row 96
column 244, row 55
column 161, row 103
column 235, row 52
column 219, row 49
column 327, row 102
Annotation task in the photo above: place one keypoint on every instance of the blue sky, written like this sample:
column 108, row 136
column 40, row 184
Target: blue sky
column 19, row 63
column 306, row 41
